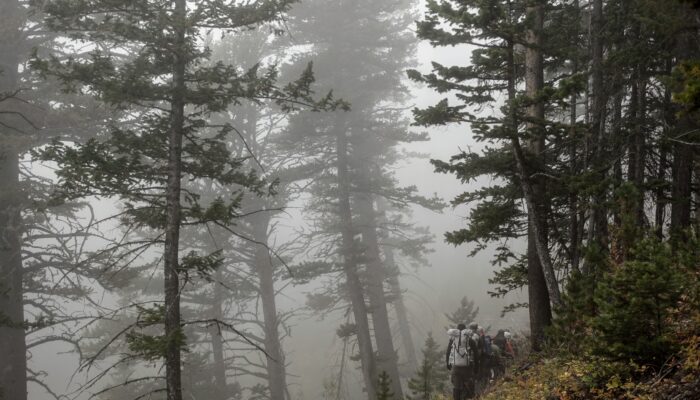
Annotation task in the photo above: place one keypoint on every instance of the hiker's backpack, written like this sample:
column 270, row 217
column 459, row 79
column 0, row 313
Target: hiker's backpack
column 463, row 348
column 487, row 345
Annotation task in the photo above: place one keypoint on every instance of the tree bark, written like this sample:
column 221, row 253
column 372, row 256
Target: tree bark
column 13, row 353
column 542, row 283
column 598, row 226
column 13, row 364
column 173, row 329
column 276, row 368
column 354, row 286
column 387, row 360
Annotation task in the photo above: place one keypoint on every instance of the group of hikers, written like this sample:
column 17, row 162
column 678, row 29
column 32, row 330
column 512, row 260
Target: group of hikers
column 475, row 358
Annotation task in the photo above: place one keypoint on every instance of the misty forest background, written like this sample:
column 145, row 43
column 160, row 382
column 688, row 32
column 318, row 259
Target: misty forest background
column 272, row 199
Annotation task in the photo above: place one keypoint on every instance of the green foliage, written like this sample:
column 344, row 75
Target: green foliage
column 431, row 377
column 634, row 302
column 148, row 346
column 384, row 387
column 464, row 314
column 571, row 327
column 201, row 266
column 687, row 77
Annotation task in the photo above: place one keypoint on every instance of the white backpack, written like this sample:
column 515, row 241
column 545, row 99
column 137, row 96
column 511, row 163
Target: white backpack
column 462, row 353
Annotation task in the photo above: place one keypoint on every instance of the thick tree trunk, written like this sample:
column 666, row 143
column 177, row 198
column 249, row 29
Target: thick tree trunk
column 173, row 330
column 276, row 368
column 13, row 360
column 387, row 359
column 217, row 340
column 13, row 365
column 354, row 286
column 542, row 283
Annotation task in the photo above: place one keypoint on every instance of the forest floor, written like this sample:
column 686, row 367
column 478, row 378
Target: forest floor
column 566, row 376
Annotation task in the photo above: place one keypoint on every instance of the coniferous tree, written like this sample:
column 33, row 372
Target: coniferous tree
column 464, row 314
column 384, row 387
column 431, row 377
column 174, row 92
column 579, row 123
column 361, row 146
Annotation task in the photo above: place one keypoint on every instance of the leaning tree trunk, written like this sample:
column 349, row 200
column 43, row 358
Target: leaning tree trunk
column 13, row 361
column 354, row 286
column 276, row 368
column 387, row 360
column 173, row 332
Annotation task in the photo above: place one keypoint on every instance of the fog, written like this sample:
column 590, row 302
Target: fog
column 310, row 345
column 313, row 348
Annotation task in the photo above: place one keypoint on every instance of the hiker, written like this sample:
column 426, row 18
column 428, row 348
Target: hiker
column 497, row 364
column 482, row 370
column 500, row 340
column 460, row 360
column 486, row 364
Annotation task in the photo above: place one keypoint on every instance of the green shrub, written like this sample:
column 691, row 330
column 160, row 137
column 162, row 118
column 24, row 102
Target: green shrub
column 633, row 304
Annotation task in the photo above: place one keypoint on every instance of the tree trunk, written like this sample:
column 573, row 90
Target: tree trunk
column 387, row 360
column 354, row 286
column 400, row 309
column 574, row 238
column 394, row 275
column 618, row 146
column 661, row 174
column 540, row 273
column 13, row 359
column 637, row 158
column 276, row 368
column 598, row 226
column 173, row 330
column 217, row 340
column 681, row 187
column 682, row 167
column 13, row 364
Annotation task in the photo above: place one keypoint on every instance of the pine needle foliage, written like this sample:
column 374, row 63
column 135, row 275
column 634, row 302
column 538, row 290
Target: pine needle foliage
column 464, row 314
column 431, row 377
column 384, row 387
column 159, row 79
